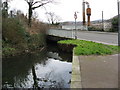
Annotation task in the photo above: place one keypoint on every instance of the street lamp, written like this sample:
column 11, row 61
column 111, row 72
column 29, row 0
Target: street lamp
column 88, row 12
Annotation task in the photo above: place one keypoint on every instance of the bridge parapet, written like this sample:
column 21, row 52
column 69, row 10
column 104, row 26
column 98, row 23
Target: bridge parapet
column 61, row 33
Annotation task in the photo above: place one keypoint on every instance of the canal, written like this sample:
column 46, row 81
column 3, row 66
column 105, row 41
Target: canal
column 50, row 68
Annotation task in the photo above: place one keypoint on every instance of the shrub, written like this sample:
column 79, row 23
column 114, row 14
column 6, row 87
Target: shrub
column 13, row 31
column 92, row 28
column 115, row 24
column 36, row 41
column 18, row 37
column 8, row 51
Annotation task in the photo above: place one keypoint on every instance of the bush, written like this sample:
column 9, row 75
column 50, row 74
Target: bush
column 92, row 28
column 13, row 31
column 36, row 41
column 8, row 51
column 114, row 24
column 18, row 37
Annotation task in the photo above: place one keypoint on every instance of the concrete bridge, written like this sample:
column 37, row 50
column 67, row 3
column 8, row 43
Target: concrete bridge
column 96, row 36
column 61, row 33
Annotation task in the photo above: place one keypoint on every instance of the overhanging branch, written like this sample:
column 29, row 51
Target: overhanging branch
column 40, row 5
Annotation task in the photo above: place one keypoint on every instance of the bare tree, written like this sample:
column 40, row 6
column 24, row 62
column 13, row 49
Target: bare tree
column 5, row 7
column 52, row 17
column 35, row 4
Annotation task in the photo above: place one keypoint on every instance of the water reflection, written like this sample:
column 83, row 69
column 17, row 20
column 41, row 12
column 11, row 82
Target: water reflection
column 46, row 69
column 19, row 67
column 52, row 76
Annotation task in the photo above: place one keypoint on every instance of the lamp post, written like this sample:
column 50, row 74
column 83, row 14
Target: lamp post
column 88, row 12
column 118, row 3
column 102, row 22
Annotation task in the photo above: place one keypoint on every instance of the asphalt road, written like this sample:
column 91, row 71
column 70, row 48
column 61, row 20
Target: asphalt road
column 103, row 37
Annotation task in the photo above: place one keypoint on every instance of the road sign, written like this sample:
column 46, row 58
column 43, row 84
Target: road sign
column 75, row 15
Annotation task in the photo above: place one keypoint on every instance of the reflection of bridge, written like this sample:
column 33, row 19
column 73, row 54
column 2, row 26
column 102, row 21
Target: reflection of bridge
column 102, row 37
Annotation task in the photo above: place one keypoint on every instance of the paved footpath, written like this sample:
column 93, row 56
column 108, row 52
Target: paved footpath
column 99, row 71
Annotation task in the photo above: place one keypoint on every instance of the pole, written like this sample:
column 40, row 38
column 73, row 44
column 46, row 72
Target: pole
column 88, row 20
column 75, row 16
column 75, row 30
column 118, row 2
column 84, row 13
column 102, row 22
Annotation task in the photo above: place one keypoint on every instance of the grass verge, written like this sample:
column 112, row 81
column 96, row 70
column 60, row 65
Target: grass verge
column 91, row 48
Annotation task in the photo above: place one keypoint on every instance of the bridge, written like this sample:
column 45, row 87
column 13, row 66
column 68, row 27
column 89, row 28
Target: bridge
column 61, row 33
column 96, row 36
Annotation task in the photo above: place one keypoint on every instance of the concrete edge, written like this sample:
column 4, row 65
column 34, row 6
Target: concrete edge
column 76, row 81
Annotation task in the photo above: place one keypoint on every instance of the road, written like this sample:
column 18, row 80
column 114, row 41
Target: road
column 101, row 37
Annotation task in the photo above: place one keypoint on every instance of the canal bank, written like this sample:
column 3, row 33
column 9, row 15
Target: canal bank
column 76, row 81
column 50, row 68
column 97, row 67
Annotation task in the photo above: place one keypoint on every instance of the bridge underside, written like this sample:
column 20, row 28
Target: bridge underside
column 56, row 38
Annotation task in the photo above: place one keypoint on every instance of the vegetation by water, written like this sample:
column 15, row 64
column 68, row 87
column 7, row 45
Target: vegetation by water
column 38, row 69
column 90, row 48
column 17, row 37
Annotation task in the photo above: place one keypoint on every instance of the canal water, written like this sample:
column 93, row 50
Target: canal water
column 50, row 68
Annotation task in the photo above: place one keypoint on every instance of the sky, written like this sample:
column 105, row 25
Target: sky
column 66, row 8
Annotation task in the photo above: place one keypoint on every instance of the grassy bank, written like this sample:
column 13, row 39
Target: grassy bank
column 33, row 43
column 90, row 48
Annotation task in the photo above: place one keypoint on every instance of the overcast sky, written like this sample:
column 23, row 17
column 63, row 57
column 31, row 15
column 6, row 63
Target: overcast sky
column 66, row 8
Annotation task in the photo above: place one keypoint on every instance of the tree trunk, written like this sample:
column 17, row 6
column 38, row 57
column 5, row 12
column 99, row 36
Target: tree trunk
column 30, row 15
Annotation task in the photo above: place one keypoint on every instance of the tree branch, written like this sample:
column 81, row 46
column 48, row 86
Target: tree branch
column 40, row 5
column 36, row 2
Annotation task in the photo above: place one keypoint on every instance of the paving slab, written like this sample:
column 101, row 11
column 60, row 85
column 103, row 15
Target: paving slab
column 75, row 70
column 76, row 78
column 99, row 71
column 76, row 85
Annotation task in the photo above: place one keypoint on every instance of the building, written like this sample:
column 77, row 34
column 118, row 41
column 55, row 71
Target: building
column 106, row 25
